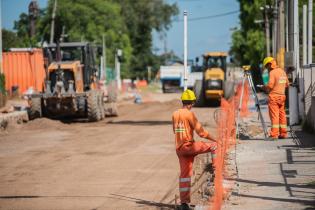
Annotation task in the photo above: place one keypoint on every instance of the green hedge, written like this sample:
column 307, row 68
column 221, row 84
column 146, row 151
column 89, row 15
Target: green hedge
column 2, row 84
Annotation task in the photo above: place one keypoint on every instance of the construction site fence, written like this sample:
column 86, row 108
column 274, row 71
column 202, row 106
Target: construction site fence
column 110, row 75
column 306, row 94
column 226, row 134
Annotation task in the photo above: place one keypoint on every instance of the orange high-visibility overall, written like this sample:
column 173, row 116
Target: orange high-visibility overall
column 184, row 125
column 278, row 81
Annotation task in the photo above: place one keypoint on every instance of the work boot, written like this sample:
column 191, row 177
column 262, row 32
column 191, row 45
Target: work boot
column 184, row 206
column 282, row 137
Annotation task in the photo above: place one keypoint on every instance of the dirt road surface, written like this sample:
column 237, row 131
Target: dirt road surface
column 126, row 162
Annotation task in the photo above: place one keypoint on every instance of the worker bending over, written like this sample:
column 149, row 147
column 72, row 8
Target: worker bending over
column 184, row 125
column 278, row 81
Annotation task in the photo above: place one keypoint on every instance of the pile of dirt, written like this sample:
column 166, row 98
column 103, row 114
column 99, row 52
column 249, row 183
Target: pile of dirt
column 250, row 131
column 44, row 123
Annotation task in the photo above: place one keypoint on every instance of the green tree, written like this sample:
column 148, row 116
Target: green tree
column 248, row 43
column 88, row 21
column 127, row 25
column 22, row 28
column 10, row 40
column 141, row 18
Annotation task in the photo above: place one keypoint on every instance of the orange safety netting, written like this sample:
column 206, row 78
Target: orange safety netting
column 227, row 138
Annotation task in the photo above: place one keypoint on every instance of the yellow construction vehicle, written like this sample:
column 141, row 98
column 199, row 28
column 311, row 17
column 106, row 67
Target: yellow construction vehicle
column 214, row 83
column 72, row 85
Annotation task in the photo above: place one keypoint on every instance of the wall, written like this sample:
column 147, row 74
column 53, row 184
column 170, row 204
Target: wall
column 24, row 69
column 308, row 76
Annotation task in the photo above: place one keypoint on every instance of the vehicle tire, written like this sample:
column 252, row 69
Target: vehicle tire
column 35, row 110
column 200, row 95
column 228, row 89
column 101, row 105
column 93, row 108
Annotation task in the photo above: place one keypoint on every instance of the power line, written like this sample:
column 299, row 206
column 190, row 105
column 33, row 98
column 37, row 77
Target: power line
column 210, row 16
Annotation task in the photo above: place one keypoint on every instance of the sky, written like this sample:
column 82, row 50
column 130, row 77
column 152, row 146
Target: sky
column 203, row 35
column 212, row 34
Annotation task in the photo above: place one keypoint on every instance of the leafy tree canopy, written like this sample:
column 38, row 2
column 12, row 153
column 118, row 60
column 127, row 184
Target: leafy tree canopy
column 10, row 39
column 126, row 24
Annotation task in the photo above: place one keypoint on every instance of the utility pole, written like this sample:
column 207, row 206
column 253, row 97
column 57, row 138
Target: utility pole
column 296, row 37
column 117, row 61
column 52, row 29
column 304, row 34
column 185, row 50
column 281, row 35
column 310, row 32
column 63, row 34
column 267, row 30
column 294, row 54
column 291, row 25
column 33, row 14
column 275, row 29
column 287, row 24
column 149, row 74
column 103, row 76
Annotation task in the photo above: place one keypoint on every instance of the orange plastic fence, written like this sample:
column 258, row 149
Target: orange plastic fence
column 24, row 69
column 227, row 137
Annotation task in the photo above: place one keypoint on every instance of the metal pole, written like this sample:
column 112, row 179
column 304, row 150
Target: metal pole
column 185, row 50
column 149, row 74
column 118, row 53
column 52, row 29
column 1, row 70
column 240, row 106
column 291, row 25
column 310, row 31
column 293, row 91
column 296, row 36
column 287, row 26
column 304, row 34
column 267, row 31
column 275, row 29
column 281, row 35
column 104, row 57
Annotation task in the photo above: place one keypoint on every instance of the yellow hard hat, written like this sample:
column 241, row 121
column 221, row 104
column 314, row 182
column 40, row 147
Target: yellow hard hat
column 267, row 60
column 188, row 95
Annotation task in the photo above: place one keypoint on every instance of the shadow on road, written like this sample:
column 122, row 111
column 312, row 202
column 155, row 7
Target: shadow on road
column 298, row 167
column 275, row 184
column 141, row 123
column 112, row 196
column 288, row 200
column 143, row 202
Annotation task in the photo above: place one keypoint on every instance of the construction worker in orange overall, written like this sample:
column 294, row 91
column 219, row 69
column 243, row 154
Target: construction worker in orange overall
column 278, row 81
column 184, row 125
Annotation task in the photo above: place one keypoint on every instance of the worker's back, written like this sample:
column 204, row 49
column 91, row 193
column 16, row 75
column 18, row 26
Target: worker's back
column 278, row 81
column 182, row 127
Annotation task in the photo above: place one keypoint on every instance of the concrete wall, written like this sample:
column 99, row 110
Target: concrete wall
column 308, row 90
column 312, row 120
